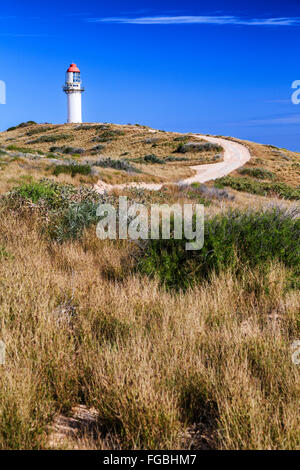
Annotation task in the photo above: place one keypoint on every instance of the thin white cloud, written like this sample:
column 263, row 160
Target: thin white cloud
column 290, row 119
column 214, row 20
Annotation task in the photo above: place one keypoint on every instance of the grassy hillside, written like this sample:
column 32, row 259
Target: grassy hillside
column 145, row 345
column 150, row 155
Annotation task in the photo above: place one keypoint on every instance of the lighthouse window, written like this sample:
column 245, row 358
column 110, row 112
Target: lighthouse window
column 76, row 77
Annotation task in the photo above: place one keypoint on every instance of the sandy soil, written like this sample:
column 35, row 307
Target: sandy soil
column 235, row 156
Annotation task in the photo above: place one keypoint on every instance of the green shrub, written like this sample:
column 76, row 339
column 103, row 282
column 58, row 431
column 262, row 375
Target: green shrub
column 70, row 223
column 198, row 147
column 72, row 169
column 23, row 124
column 98, row 148
column 233, row 240
column 107, row 135
column 64, row 210
column 152, row 159
column 34, row 191
column 68, row 150
column 23, row 149
column 282, row 190
column 260, row 173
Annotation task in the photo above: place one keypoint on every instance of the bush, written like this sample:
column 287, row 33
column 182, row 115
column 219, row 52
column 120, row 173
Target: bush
column 198, row 147
column 107, row 135
column 23, row 149
column 152, row 159
column 85, row 127
column 282, row 190
column 72, row 169
column 50, row 138
column 35, row 191
column 234, row 240
column 259, row 173
column 23, row 124
column 71, row 222
column 116, row 164
column 64, row 209
column 68, row 150
column 98, row 148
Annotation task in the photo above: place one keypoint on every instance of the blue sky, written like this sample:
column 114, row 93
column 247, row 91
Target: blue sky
column 222, row 67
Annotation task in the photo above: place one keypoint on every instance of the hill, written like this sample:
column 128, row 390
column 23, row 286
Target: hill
column 112, row 344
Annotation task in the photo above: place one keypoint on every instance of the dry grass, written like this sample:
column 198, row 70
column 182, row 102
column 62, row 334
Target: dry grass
column 134, row 142
column 153, row 364
column 282, row 162
column 85, row 335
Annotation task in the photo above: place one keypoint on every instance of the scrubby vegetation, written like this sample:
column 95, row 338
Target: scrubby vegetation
column 117, row 164
column 23, row 149
column 111, row 141
column 64, row 211
column 94, row 127
column 68, row 150
column 23, row 124
column 39, row 130
column 198, row 147
column 73, row 169
column 108, row 135
column 50, row 138
column 206, row 191
column 152, row 159
column 260, row 173
column 168, row 348
column 97, row 148
column 235, row 241
column 282, row 190
column 171, row 158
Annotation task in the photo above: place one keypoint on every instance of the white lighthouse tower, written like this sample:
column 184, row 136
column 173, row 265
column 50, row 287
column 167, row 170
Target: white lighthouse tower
column 73, row 89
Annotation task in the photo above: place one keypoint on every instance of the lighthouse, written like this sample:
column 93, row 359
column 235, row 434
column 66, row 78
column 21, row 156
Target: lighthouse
column 73, row 89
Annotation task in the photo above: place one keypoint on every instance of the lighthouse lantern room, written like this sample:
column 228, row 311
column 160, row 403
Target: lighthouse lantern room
column 73, row 89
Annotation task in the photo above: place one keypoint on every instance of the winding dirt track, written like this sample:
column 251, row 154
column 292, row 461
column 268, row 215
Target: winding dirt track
column 235, row 156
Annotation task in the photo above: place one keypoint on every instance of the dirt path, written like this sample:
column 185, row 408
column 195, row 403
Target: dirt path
column 235, row 156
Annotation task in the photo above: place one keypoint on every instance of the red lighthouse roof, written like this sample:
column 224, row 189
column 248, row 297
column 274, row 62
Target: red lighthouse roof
column 73, row 68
